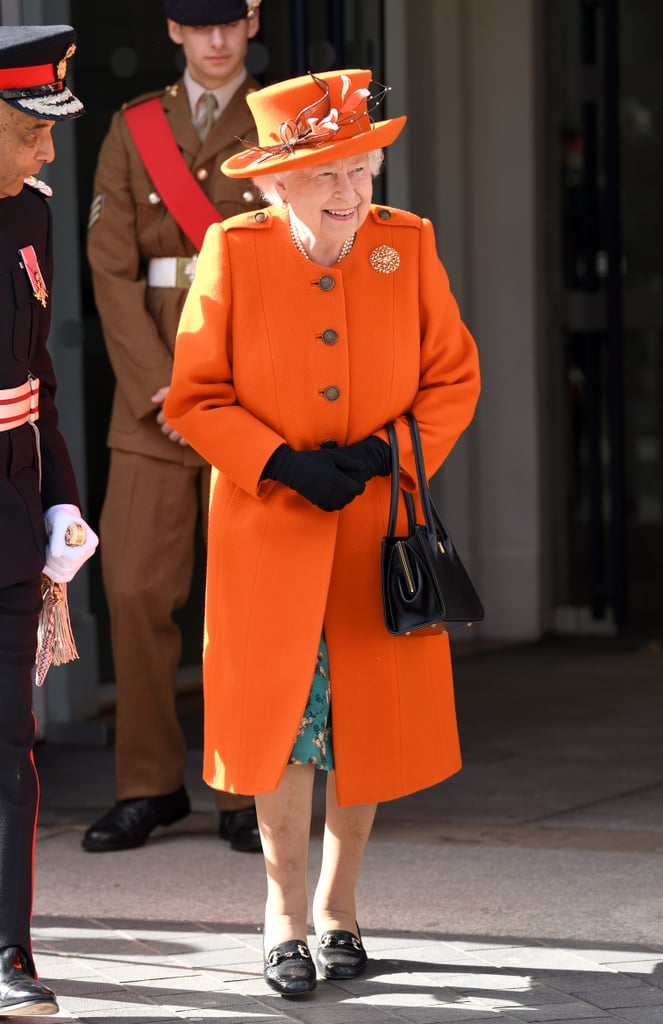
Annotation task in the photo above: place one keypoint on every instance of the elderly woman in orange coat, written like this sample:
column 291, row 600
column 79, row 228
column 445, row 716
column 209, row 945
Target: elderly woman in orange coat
column 309, row 326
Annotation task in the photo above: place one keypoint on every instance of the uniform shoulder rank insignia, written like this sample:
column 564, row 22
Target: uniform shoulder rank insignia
column 96, row 210
column 30, row 264
column 38, row 185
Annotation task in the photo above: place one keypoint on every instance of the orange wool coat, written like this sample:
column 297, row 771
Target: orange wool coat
column 273, row 348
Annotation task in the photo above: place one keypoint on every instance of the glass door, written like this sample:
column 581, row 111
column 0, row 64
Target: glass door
column 606, row 307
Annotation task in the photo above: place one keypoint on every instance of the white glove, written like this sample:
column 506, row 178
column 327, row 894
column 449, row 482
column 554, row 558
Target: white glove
column 70, row 542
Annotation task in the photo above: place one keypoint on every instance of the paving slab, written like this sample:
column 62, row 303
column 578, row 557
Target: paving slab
column 527, row 888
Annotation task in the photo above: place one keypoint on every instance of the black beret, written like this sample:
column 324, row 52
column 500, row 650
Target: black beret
column 33, row 66
column 205, row 12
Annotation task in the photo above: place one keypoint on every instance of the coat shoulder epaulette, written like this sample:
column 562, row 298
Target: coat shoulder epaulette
column 389, row 215
column 250, row 219
column 38, row 186
column 170, row 90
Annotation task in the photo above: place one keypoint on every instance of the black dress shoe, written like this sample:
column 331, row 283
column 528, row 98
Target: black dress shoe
column 241, row 828
column 20, row 992
column 340, row 955
column 130, row 822
column 289, row 969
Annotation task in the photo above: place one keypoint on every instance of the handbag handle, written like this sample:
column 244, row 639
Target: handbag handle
column 422, row 481
column 395, row 479
column 435, row 526
column 396, row 487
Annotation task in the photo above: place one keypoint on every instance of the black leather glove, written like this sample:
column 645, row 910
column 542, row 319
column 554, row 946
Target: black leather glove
column 326, row 477
column 374, row 454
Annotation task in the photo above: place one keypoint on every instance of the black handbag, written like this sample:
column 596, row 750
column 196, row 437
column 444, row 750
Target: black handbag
column 424, row 582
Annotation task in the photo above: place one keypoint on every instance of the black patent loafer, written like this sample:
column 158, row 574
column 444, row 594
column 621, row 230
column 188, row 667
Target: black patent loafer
column 129, row 823
column 289, row 969
column 20, row 992
column 340, row 955
column 240, row 828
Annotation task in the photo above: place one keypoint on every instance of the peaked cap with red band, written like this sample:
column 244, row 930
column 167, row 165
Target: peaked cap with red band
column 311, row 120
column 33, row 68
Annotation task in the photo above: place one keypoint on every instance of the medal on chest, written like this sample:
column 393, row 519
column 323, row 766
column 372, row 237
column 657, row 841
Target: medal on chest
column 30, row 264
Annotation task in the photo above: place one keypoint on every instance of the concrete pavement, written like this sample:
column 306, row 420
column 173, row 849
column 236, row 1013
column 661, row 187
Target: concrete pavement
column 527, row 888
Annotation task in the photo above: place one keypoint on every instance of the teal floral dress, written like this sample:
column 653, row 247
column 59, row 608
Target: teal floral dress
column 314, row 740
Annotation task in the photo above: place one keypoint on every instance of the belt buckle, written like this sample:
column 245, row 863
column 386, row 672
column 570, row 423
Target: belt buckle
column 186, row 270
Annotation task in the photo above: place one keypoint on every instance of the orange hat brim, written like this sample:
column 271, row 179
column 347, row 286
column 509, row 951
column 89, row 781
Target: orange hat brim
column 251, row 163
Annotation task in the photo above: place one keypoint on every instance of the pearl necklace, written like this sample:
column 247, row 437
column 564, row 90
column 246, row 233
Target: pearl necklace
column 299, row 245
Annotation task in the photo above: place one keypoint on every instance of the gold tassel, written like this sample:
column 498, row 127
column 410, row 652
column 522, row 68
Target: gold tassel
column 55, row 640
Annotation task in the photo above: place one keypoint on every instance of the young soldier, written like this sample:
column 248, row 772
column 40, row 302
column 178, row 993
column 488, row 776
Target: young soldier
column 158, row 186
column 42, row 529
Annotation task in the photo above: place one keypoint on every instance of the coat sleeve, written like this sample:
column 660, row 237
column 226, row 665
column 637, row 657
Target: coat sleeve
column 202, row 403
column 58, row 484
column 449, row 378
column 140, row 358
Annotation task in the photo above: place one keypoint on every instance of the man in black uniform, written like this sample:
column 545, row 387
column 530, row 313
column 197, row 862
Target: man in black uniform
column 41, row 529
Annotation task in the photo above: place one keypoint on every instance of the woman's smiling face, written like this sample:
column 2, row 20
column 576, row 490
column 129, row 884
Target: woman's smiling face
column 329, row 201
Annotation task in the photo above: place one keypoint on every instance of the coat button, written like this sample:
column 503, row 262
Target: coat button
column 326, row 282
column 331, row 393
column 330, row 337
column 248, row 197
column 260, row 217
column 202, row 173
column 329, row 443
column 384, row 214
column 154, row 198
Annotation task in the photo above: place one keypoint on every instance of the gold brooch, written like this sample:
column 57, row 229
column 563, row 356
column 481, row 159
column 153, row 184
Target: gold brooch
column 384, row 259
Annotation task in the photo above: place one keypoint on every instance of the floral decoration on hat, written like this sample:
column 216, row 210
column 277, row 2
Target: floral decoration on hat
column 311, row 120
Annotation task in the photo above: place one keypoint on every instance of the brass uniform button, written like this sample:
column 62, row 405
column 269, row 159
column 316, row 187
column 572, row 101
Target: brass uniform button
column 332, row 393
column 260, row 217
column 202, row 173
column 326, row 283
column 330, row 337
column 384, row 214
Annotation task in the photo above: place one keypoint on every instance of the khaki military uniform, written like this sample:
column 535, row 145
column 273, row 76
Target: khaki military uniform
column 157, row 489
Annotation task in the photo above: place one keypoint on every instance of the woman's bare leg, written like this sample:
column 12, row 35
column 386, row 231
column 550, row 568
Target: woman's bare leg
column 346, row 833
column 284, row 819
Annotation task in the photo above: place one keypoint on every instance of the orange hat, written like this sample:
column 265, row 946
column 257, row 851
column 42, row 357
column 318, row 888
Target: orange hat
column 311, row 120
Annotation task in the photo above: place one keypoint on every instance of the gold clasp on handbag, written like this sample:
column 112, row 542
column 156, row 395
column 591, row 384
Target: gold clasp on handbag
column 406, row 567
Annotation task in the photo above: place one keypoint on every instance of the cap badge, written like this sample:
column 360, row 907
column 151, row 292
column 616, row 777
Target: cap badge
column 61, row 70
column 384, row 259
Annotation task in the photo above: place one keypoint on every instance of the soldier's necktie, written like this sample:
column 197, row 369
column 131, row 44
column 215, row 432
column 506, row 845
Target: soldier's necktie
column 207, row 107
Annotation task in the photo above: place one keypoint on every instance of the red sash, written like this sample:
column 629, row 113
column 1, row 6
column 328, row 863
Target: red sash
column 179, row 190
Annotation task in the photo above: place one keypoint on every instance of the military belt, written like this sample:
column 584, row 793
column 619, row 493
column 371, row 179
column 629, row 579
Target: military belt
column 171, row 271
column 19, row 405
